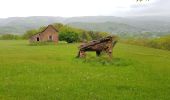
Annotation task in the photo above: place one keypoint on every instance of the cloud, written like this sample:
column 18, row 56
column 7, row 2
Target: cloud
column 70, row 8
column 156, row 8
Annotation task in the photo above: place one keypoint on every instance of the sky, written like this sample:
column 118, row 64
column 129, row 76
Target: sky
column 73, row 8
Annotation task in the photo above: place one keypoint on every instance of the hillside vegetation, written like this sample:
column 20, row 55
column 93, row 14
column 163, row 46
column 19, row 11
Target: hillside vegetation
column 66, row 33
column 110, row 27
column 53, row 73
column 133, row 25
column 162, row 42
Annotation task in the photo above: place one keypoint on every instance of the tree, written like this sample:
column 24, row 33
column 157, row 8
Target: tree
column 9, row 37
column 58, row 26
column 29, row 33
column 85, row 36
column 68, row 34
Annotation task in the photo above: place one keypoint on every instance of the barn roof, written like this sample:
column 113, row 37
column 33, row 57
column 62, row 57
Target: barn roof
column 48, row 27
column 45, row 29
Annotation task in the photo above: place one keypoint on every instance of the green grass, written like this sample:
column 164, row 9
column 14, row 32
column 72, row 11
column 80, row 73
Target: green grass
column 51, row 72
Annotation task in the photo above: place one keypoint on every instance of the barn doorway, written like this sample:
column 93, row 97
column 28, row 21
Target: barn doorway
column 38, row 39
column 50, row 38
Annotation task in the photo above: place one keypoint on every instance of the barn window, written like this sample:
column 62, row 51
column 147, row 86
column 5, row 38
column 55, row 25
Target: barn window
column 38, row 39
column 50, row 37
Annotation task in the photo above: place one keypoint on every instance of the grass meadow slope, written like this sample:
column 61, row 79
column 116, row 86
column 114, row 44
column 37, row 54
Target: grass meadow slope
column 53, row 73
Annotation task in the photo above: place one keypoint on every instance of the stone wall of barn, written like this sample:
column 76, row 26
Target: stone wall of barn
column 50, row 31
column 49, row 34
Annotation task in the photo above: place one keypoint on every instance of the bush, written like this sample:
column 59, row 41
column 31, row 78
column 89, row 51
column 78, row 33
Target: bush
column 69, row 34
column 9, row 37
column 29, row 33
column 160, row 43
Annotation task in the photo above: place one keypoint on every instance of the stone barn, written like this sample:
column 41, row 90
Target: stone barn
column 49, row 34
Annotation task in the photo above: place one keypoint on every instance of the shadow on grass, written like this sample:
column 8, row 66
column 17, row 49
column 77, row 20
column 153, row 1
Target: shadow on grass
column 106, row 61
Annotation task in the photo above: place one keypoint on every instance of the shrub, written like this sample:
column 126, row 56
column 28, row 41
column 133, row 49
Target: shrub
column 9, row 37
column 160, row 43
column 69, row 34
column 29, row 33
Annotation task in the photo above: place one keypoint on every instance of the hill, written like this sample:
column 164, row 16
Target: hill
column 156, row 24
column 110, row 27
column 52, row 72
column 18, row 25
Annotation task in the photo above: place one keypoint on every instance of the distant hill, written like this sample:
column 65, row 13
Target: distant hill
column 18, row 25
column 110, row 27
column 21, row 24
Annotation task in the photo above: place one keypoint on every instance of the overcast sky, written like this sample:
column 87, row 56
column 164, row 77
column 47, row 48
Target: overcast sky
column 72, row 8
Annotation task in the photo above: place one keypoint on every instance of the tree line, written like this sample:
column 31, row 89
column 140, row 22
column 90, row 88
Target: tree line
column 66, row 33
column 162, row 42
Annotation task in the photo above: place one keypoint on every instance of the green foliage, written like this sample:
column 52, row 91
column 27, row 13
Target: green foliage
column 70, row 34
column 58, row 26
column 30, row 33
column 109, row 24
column 136, row 41
column 84, row 36
column 41, row 29
column 110, row 27
column 9, row 37
column 160, row 43
column 98, row 35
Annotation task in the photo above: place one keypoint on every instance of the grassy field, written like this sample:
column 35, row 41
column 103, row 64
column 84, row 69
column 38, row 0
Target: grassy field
column 53, row 73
